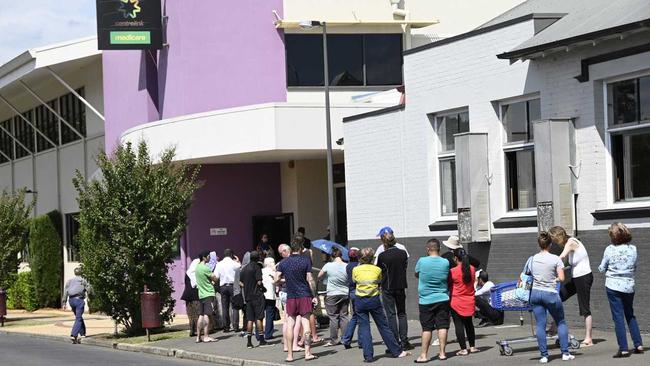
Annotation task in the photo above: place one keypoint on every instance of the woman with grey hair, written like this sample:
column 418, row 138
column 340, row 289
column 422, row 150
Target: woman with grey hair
column 268, row 281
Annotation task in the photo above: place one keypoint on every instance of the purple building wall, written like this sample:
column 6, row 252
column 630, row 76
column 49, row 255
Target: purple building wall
column 221, row 54
column 231, row 195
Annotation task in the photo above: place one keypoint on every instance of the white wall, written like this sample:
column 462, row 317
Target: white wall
column 459, row 74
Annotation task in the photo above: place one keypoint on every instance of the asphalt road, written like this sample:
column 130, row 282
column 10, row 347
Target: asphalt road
column 18, row 350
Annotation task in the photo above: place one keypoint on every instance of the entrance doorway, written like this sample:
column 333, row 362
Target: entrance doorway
column 341, row 215
column 279, row 228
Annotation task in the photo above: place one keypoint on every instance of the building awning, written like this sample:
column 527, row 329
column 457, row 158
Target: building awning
column 295, row 24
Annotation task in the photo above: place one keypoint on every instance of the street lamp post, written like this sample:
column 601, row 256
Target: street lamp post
column 328, row 125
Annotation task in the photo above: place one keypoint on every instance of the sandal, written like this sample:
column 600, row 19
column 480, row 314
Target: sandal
column 584, row 344
column 208, row 340
column 417, row 360
column 474, row 350
column 330, row 344
column 313, row 357
column 462, row 352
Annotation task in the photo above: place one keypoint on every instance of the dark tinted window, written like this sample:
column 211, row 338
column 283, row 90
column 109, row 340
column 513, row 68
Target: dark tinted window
column 304, row 59
column 345, row 55
column 24, row 133
column 348, row 54
column 383, row 59
column 624, row 95
column 6, row 142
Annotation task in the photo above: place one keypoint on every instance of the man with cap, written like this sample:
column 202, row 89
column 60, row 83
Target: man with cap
column 393, row 263
column 380, row 248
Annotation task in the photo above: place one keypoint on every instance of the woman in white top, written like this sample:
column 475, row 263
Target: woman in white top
column 576, row 255
column 268, row 276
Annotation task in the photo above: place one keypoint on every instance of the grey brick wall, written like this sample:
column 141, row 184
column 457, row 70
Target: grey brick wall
column 506, row 255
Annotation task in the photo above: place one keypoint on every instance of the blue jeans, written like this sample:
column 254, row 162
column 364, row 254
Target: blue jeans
column 352, row 324
column 371, row 306
column 269, row 306
column 543, row 301
column 77, row 307
column 621, row 304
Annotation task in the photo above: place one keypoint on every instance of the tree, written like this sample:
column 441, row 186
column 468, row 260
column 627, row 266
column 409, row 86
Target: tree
column 130, row 226
column 14, row 224
column 45, row 259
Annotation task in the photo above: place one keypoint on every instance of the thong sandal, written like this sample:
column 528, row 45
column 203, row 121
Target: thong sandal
column 586, row 345
column 421, row 361
column 462, row 352
column 313, row 357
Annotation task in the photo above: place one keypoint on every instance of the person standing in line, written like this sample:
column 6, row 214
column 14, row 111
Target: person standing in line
column 463, row 301
column 353, row 254
column 337, row 301
column 191, row 297
column 487, row 314
column 250, row 280
column 575, row 253
column 307, row 243
column 368, row 277
column 204, row 282
column 453, row 243
column 547, row 270
column 268, row 281
column 285, row 251
column 307, row 253
column 380, row 249
column 76, row 289
column 619, row 264
column 393, row 263
column 225, row 270
column 432, row 273
column 264, row 247
column 301, row 292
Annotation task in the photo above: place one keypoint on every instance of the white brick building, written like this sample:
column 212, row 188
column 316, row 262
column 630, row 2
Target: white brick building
column 400, row 164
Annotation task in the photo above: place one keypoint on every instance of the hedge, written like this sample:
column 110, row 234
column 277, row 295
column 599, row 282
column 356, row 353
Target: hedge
column 22, row 294
column 45, row 250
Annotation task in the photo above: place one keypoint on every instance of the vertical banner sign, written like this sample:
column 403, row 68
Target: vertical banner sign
column 129, row 25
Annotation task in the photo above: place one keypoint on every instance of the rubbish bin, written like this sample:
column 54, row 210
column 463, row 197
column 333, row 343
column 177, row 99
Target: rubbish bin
column 3, row 307
column 150, row 310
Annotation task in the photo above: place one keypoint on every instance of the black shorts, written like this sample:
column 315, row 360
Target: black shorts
column 207, row 306
column 582, row 287
column 255, row 309
column 434, row 316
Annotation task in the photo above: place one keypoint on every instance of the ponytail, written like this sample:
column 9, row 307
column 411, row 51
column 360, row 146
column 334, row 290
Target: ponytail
column 463, row 258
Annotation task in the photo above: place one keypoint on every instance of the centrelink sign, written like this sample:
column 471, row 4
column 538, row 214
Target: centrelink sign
column 129, row 24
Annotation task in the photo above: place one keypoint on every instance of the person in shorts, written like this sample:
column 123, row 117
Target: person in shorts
column 204, row 282
column 300, row 288
column 250, row 280
column 432, row 272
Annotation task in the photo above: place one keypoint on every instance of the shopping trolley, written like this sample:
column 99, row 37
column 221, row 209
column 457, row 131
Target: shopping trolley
column 502, row 297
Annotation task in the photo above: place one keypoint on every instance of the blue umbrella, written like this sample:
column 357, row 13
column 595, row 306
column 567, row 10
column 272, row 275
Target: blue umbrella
column 326, row 246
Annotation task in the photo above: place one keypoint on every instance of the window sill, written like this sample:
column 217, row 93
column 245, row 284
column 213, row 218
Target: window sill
column 515, row 222
column 622, row 213
column 444, row 225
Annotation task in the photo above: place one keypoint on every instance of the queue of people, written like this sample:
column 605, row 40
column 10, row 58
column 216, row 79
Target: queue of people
column 373, row 284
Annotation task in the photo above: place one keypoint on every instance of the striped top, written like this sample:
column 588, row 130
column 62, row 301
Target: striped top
column 367, row 277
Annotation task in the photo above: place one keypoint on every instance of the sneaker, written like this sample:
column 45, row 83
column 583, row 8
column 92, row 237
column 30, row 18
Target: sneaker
column 250, row 346
column 568, row 357
column 263, row 343
column 436, row 342
column 543, row 360
column 346, row 346
column 482, row 324
column 74, row 340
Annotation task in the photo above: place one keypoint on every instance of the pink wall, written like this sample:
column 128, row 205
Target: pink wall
column 221, row 54
column 231, row 195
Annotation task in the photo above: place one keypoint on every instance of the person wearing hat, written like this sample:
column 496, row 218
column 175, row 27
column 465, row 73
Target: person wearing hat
column 353, row 254
column 380, row 248
column 393, row 263
column 453, row 243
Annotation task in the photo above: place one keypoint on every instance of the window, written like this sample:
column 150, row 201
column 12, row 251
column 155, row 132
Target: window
column 354, row 59
column 629, row 107
column 24, row 133
column 74, row 112
column 518, row 119
column 520, row 176
column 71, row 240
column 47, row 123
column 6, row 142
column 447, row 125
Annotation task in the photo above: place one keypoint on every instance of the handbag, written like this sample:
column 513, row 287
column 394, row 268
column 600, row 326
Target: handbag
column 238, row 302
column 276, row 314
column 525, row 284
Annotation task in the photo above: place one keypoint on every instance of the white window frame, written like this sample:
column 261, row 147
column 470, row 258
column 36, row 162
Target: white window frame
column 444, row 155
column 508, row 147
column 609, row 163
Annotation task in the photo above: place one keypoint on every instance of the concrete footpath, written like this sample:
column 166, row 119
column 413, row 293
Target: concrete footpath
column 231, row 349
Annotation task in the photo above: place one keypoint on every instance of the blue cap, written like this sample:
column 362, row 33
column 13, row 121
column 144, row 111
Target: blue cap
column 384, row 230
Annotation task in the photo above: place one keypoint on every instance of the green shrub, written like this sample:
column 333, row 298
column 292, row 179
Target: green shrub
column 45, row 250
column 14, row 224
column 130, row 225
column 22, row 294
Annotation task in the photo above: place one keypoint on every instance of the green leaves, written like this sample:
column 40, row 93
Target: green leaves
column 131, row 223
column 14, row 223
column 45, row 259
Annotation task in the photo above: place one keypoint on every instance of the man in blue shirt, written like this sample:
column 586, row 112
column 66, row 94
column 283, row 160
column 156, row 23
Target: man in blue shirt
column 432, row 272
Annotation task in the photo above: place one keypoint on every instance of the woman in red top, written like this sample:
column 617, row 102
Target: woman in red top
column 463, row 301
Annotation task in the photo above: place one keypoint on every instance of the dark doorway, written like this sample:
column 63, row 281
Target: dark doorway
column 279, row 228
column 341, row 216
